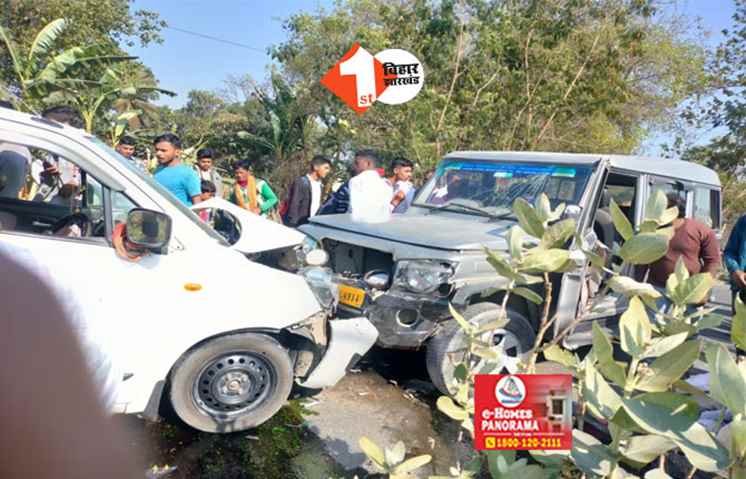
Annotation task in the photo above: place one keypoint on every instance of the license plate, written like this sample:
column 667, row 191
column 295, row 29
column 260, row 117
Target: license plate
column 351, row 296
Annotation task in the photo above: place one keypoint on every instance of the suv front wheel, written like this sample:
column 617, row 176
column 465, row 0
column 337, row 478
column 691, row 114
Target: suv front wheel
column 448, row 347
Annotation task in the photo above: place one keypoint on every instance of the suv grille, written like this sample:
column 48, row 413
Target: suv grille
column 356, row 261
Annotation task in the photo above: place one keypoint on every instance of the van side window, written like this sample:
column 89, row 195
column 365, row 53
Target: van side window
column 42, row 193
column 120, row 207
column 707, row 206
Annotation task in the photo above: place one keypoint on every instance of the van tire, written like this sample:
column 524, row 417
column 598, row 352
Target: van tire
column 440, row 348
column 231, row 383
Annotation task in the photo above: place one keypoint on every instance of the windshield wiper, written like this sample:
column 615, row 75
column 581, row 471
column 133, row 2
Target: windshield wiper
column 475, row 209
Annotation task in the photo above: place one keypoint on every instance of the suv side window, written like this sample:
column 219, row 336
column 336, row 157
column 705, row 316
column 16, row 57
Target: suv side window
column 707, row 206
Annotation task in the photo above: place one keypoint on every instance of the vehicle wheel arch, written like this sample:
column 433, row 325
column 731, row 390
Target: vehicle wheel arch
column 527, row 310
column 292, row 342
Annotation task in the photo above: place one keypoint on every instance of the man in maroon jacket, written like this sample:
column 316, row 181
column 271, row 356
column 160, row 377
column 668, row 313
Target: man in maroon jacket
column 692, row 241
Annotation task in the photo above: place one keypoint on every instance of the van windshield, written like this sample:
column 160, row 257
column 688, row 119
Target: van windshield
column 165, row 194
column 492, row 187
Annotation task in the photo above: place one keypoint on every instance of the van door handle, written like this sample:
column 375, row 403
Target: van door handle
column 41, row 224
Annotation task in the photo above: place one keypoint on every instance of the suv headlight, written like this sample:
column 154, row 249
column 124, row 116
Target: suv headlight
column 306, row 246
column 321, row 282
column 423, row 276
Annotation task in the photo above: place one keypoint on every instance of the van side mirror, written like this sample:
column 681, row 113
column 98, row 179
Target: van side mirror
column 148, row 229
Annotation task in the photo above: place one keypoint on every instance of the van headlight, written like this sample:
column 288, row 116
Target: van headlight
column 423, row 276
column 321, row 283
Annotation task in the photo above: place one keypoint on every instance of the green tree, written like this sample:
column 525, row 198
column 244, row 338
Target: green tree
column 110, row 24
column 587, row 76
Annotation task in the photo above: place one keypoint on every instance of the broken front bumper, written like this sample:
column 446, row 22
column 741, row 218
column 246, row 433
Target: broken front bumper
column 349, row 340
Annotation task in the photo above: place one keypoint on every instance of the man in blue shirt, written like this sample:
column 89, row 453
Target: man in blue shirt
column 734, row 257
column 181, row 180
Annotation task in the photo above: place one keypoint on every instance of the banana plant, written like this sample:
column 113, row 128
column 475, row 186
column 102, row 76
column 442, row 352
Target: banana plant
column 111, row 89
column 40, row 71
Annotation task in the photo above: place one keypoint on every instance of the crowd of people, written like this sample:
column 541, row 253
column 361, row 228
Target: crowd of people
column 370, row 194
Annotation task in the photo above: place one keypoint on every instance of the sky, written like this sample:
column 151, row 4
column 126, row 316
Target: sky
column 187, row 62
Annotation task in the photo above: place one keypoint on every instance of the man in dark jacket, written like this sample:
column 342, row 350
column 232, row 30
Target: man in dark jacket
column 304, row 198
column 339, row 202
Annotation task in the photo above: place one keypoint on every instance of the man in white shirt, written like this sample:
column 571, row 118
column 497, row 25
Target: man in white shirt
column 370, row 195
column 304, row 198
column 403, row 188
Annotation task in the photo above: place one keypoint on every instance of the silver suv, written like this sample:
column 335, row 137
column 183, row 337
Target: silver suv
column 404, row 273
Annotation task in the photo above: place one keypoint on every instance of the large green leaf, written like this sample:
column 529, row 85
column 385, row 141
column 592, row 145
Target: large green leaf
column 412, row 464
column 396, row 454
column 634, row 328
column 629, row 287
column 543, row 207
column 738, row 325
column 373, row 452
column 557, row 234
column 727, row 380
column 662, row 345
column 604, row 355
column 515, row 241
column 450, row 409
column 561, row 356
column 528, row 294
column 545, row 261
column 590, row 455
column 602, row 400
column 702, row 450
column 667, row 369
column 644, row 248
column 694, row 290
column 528, row 218
column 679, row 275
column 44, row 40
column 644, row 449
column 500, row 265
column 10, row 48
column 621, row 223
column 656, row 205
column 657, row 474
column 668, row 216
column 667, row 416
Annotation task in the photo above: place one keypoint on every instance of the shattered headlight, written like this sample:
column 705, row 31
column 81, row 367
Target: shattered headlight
column 306, row 246
column 423, row 276
column 321, row 282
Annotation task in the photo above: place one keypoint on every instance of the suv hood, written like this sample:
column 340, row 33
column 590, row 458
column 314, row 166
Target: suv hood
column 442, row 230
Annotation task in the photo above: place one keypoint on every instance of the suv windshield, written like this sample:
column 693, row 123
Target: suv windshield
column 165, row 194
column 491, row 187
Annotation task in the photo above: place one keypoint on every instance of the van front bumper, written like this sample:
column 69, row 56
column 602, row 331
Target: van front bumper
column 349, row 340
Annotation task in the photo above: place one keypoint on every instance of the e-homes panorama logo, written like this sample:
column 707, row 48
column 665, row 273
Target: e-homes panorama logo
column 360, row 79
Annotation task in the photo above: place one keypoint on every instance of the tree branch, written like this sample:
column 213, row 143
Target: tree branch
column 569, row 90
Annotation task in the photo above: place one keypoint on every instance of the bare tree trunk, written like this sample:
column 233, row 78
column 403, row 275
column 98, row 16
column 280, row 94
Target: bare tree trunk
column 456, row 74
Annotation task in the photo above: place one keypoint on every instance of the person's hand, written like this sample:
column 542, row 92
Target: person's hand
column 256, row 210
column 739, row 279
column 52, row 170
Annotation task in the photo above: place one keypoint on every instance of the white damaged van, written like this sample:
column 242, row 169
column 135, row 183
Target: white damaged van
column 197, row 325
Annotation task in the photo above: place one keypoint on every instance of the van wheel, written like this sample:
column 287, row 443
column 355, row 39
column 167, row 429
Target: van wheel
column 448, row 347
column 231, row 383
